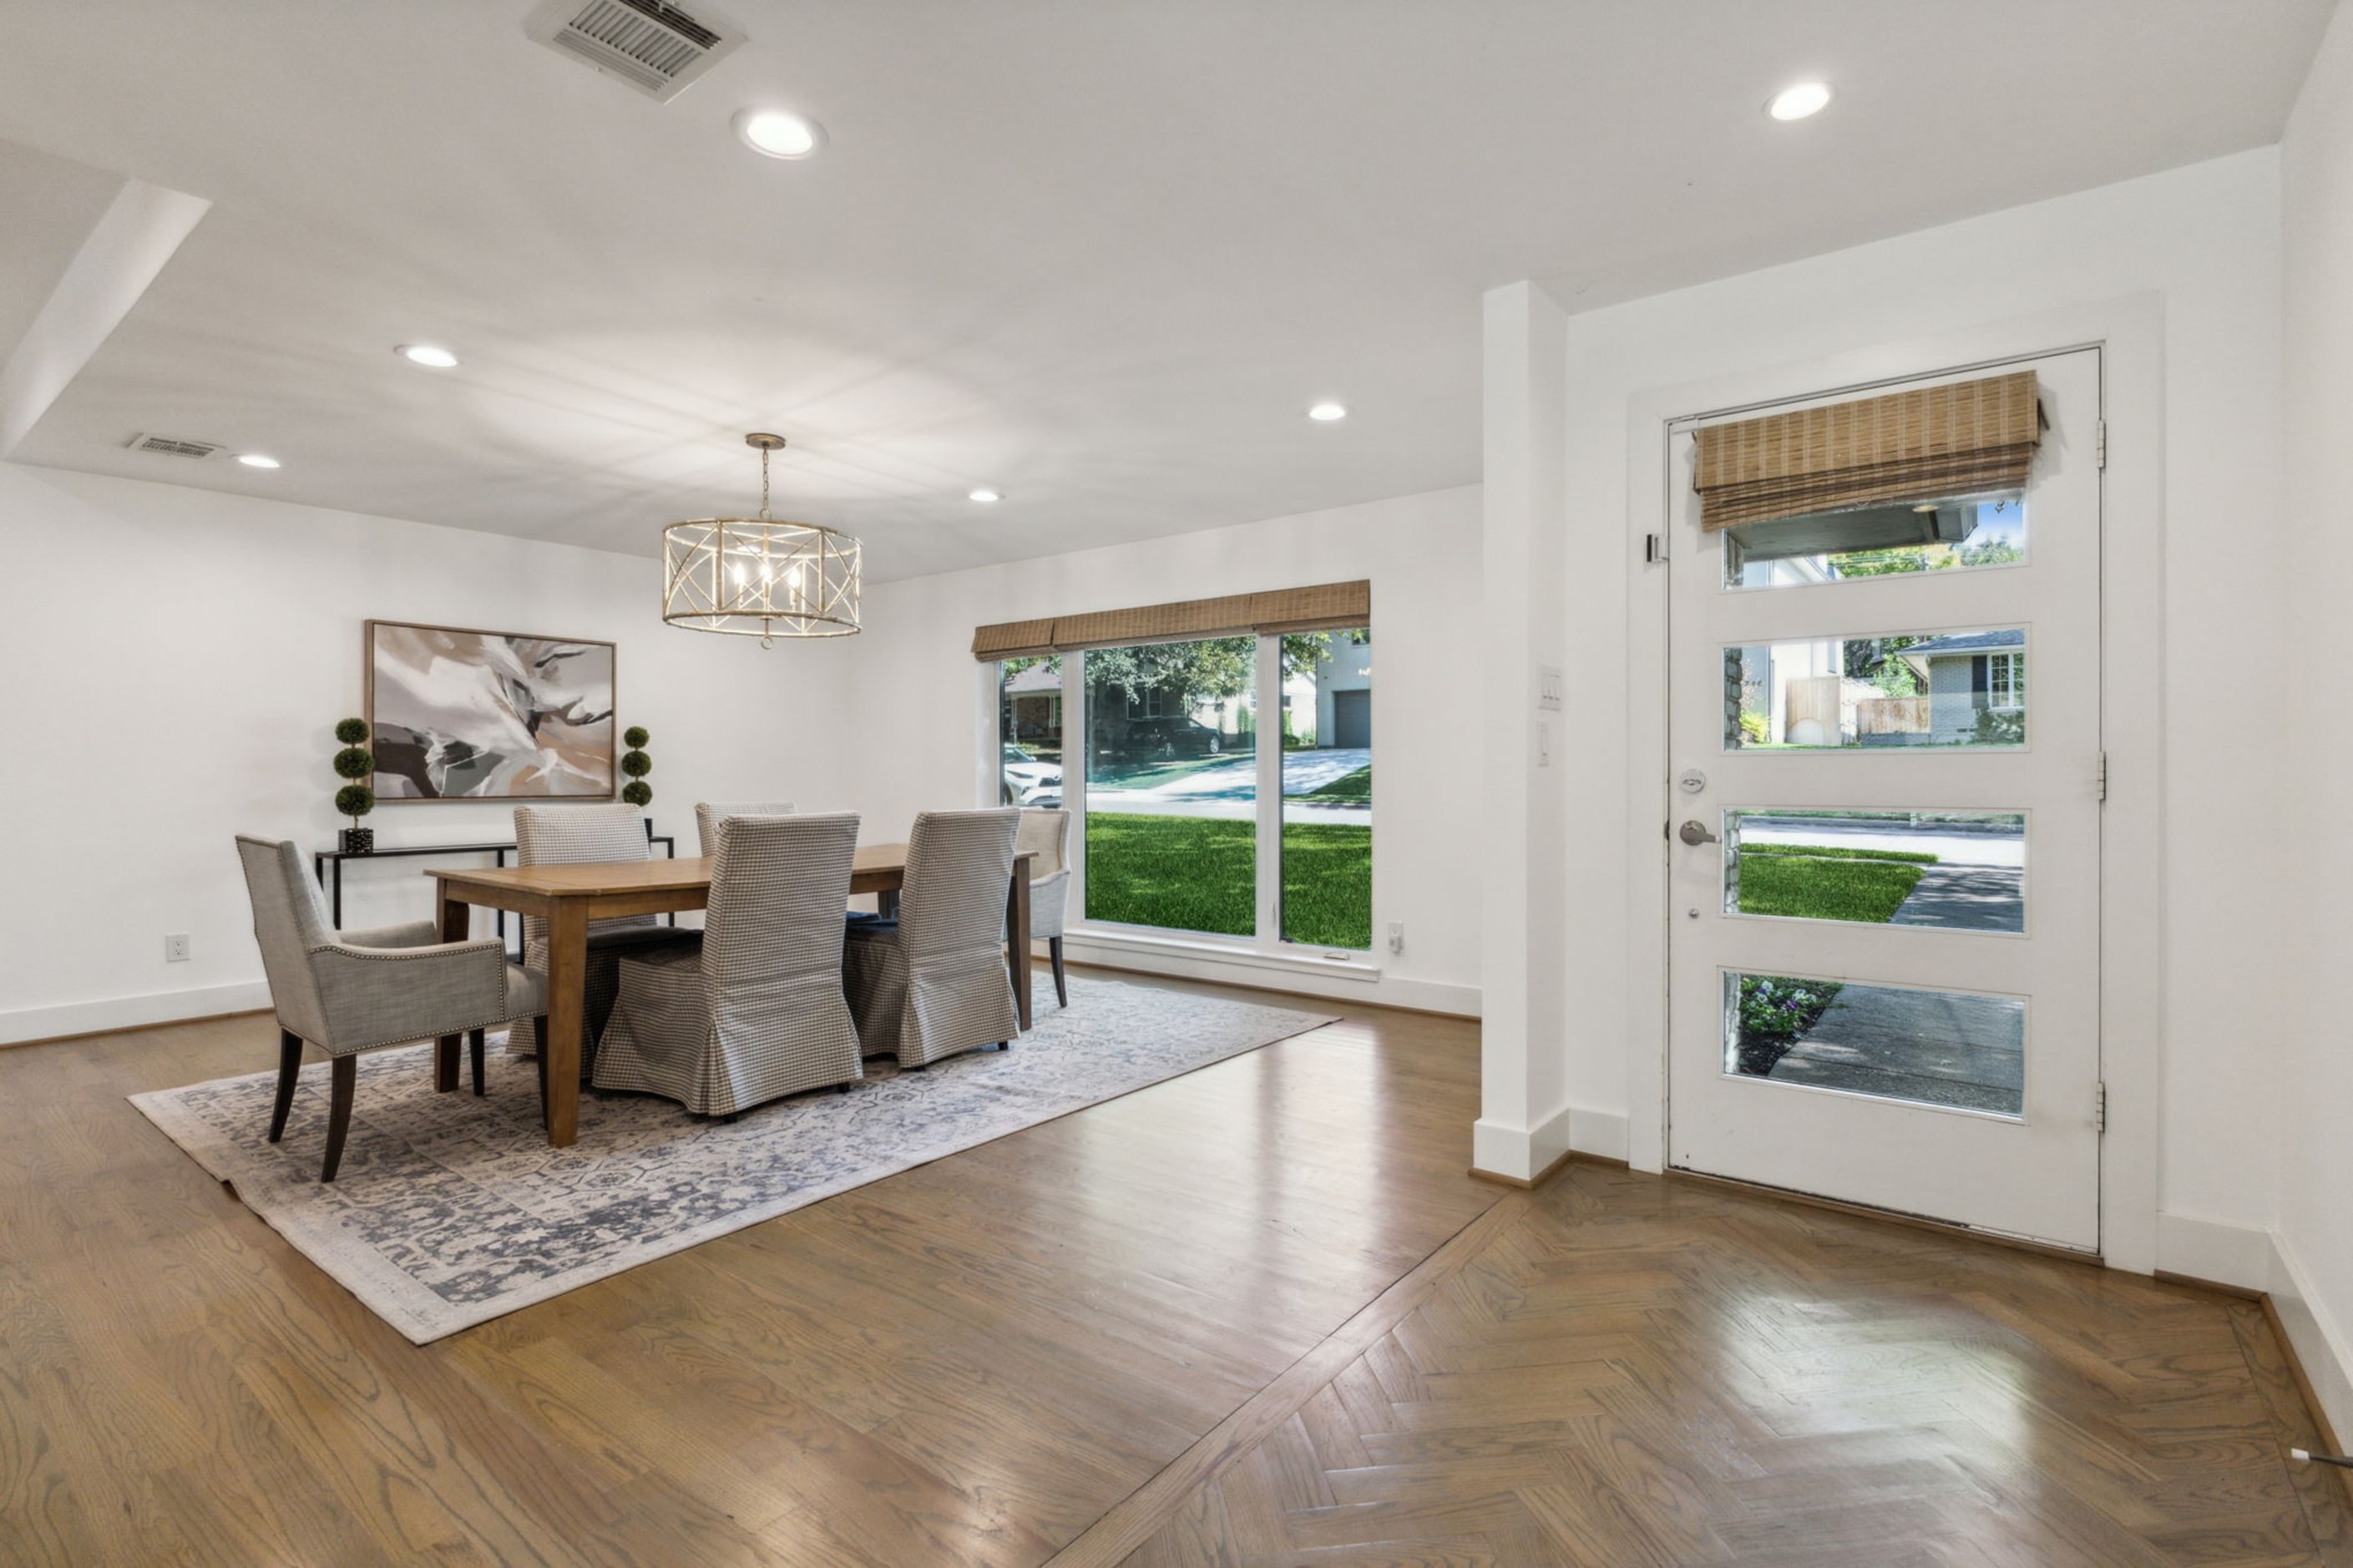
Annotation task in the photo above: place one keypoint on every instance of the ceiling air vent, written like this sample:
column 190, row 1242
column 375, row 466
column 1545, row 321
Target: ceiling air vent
column 172, row 447
column 655, row 48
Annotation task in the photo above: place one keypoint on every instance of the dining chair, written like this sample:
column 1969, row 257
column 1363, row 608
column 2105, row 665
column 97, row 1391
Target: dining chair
column 583, row 835
column 1047, row 835
column 351, row 991
column 758, row 1012
column 932, row 981
column 708, row 816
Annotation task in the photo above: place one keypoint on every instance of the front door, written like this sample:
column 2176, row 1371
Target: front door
column 1884, row 846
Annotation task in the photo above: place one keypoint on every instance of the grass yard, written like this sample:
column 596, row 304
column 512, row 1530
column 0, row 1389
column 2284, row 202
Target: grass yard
column 1188, row 873
column 1353, row 789
column 1818, row 882
column 1828, row 852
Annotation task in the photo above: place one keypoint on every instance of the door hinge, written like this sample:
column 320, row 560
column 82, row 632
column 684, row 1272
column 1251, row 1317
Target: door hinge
column 1654, row 549
column 2100, row 780
column 2100, row 1109
column 2100, row 443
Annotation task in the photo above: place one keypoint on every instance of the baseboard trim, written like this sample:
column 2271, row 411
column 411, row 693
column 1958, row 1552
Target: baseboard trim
column 2219, row 1288
column 1202, row 961
column 80, row 1020
column 1530, row 1183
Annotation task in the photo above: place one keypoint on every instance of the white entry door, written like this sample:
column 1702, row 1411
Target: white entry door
column 1884, row 846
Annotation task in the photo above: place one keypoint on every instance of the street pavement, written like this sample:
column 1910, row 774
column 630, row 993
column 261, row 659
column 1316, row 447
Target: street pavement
column 1228, row 789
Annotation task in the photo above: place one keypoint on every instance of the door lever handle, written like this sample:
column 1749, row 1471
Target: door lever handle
column 1695, row 833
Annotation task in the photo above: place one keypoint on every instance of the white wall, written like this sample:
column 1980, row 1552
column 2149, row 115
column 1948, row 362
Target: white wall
column 2203, row 239
column 2313, row 1282
column 175, row 661
column 919, row 701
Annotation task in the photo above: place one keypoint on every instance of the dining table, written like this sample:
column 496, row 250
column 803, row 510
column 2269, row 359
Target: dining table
column 569, row 897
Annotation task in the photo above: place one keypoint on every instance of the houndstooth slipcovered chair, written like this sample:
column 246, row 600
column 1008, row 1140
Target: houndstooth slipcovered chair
column 1047, row 834
column 933, row 981
column 708, row 816
column 346, row 992
column 579, row 835
column 759, row 1012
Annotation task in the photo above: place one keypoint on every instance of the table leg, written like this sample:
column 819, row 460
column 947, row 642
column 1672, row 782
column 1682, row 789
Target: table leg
column 559, row 1048
column 336, row 919
column 1017, row 938
column 457, row 923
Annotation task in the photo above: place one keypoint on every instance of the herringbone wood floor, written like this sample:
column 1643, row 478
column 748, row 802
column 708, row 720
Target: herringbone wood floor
column 1206, row 1321
column 1621, row 1369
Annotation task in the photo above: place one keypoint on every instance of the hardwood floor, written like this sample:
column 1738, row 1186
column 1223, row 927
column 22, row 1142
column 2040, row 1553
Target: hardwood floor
column 1621, row 1369
column 1256, row 1313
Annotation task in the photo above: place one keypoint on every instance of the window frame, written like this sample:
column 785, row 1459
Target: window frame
column 1267, row 941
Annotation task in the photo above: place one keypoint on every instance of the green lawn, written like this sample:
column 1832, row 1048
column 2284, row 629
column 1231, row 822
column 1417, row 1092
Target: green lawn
column 1185, row 873
column 1826, row 887
column 1354, row 788
column 1828, row 852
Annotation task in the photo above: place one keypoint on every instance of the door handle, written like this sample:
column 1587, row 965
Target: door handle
column 1695, row 833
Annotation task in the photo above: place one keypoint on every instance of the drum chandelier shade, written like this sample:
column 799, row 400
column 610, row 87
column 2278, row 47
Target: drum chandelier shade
column 757, row 576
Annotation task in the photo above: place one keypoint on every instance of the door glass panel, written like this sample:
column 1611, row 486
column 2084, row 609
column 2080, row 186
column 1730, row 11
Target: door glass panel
column 1172, row 785
column 1327, row 788
column 1955, row 1049
column 1876, row 541
column 1936, row 688
column 1960, row 870
column 1030, row 731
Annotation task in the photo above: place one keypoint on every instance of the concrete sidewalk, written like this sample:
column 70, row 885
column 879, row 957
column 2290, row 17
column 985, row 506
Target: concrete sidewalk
column 1927, row 1046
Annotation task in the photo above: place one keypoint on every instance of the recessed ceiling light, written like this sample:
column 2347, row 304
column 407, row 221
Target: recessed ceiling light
column 1327, row 412
column 257, row 461
column 1798, row 102
column 428, row 354
column 777, row 135
column 986, row 497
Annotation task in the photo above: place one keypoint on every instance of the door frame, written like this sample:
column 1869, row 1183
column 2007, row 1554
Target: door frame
column 2130, row 333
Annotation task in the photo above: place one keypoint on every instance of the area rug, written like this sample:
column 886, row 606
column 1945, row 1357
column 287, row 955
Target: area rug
column 449, row 1210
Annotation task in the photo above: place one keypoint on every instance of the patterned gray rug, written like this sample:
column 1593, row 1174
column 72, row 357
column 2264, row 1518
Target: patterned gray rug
column 451, row 1211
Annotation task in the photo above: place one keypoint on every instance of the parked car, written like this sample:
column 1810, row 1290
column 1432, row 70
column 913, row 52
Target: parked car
column 1163, row 738
column 1028, row 781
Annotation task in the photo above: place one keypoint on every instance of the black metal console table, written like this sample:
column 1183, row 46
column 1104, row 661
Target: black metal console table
column 321, row 861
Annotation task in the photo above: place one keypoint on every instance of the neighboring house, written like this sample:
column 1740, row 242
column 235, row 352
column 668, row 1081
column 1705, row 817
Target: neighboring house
column 1342, row 686
column 1035, row 697
column 1966, row 675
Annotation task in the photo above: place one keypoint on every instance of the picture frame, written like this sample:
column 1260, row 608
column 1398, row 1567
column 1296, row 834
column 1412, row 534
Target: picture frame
column 459, row 713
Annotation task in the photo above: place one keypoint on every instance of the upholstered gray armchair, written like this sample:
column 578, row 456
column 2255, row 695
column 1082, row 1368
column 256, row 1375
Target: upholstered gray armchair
column 1047, row 834
column 759, row 1012
column 347, row 992
column 708, row 816
column 933, row 981
column 578, row 836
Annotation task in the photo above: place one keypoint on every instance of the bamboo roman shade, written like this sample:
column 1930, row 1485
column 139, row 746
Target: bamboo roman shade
column 1327, row 608
column 1933, row 443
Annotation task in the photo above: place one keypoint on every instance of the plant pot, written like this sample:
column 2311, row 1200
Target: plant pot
column 358, row 841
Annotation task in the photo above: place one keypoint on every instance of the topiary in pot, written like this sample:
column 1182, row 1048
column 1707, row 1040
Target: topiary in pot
column 636, row 765
column 356, row 799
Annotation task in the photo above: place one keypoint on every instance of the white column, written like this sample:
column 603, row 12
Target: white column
column 1523, row 1117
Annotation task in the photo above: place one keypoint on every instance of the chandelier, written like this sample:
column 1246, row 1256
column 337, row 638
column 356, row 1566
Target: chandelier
column 758, row 577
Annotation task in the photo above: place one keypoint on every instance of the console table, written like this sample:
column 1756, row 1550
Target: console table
column 327, row 864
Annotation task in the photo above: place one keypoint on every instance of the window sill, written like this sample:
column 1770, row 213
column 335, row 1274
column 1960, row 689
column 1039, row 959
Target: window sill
column 1309, row 960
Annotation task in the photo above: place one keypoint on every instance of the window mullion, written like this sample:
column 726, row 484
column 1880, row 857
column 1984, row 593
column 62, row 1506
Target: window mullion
column 1074, row 771
column 1269, row 726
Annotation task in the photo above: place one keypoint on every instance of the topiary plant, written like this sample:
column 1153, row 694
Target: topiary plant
column 356, row 799
column 636, row 765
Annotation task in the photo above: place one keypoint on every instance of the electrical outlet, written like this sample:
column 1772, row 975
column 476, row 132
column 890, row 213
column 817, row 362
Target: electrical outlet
column 1396, row 936
column 176, row 948
column 1544, row 746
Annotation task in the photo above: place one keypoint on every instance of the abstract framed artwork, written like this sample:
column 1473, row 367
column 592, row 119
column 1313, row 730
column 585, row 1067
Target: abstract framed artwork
column 459, row 714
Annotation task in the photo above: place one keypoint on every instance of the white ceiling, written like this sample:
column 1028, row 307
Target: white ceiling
column 1097, row 254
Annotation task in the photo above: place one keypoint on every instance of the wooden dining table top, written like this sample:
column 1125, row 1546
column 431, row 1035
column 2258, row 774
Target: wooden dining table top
column 875, row 868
